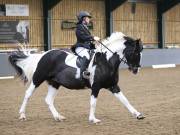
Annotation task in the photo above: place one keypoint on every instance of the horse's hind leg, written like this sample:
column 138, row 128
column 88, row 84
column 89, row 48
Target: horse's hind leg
column 28, row 94
column 50, row 102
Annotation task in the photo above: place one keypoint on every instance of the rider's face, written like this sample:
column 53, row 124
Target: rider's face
column 86, row 20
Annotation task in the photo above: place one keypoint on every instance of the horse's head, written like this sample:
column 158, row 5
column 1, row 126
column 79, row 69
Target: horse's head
column 132, row 53
column 126, row 47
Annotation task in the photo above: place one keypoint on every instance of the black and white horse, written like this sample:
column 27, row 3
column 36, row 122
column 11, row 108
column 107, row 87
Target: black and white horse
column 59, row 68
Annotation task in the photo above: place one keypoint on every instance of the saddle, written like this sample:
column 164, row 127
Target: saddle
column 79, row 61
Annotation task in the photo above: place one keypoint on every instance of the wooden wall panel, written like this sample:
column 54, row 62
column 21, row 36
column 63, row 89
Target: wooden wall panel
column 36, row 22
column 142, row 24
column 172, row 26
column 67, row 10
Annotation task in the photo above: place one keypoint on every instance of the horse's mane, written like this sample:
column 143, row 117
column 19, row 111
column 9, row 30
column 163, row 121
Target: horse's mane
column 114, row 37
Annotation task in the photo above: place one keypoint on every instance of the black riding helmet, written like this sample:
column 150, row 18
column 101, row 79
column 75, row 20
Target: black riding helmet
column 83, row 14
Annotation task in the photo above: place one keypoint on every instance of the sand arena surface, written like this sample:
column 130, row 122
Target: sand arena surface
column 155, row 92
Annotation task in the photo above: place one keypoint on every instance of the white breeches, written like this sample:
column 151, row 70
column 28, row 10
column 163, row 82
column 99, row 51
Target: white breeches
column 81, row 51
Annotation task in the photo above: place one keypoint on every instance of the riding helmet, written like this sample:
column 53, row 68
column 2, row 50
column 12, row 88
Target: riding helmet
column 83, row 14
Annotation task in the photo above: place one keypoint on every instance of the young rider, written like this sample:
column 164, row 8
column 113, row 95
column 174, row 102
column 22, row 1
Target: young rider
column 84, row 41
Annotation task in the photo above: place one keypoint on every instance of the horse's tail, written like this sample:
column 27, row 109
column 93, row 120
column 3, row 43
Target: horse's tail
column 25, row 64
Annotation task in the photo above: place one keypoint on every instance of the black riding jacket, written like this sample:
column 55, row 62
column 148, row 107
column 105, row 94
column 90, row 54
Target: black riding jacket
column 84, row 37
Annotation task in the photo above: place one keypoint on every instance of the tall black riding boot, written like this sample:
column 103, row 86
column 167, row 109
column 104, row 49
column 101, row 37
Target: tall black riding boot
column 84, row 73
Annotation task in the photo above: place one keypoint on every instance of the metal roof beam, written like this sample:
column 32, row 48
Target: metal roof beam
column 53, row 3
column 167, row 4
column 110, row 6
column 162, row 7
column 160, row 25
column 116, row 3
column 108, row 17
column 46, row 25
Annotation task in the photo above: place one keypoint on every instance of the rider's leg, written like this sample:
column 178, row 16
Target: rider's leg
column 81, row 51
column 84, row 72
column 84, row 53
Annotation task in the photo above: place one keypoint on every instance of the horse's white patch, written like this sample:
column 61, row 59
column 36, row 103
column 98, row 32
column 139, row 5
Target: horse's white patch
column 29, row 64
column 92, row 70
column 115, row 43
column 120, row 96
column 140, row 58
column 28, row 94
column 140, row 62
column 92, row 108
column 71, row 60
column 77, row 73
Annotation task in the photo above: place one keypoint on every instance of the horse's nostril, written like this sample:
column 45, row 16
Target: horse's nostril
column 135, row 71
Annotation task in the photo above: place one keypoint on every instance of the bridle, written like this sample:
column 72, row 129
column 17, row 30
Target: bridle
column 134, row 53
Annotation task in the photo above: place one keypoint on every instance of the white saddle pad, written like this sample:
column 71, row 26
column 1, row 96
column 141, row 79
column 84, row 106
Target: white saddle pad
column 71, row 60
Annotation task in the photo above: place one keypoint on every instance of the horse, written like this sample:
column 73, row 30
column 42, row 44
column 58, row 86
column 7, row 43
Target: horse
column 59, row 68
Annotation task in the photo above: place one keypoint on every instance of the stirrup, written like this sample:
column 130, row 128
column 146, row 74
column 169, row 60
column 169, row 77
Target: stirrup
column 86, row 74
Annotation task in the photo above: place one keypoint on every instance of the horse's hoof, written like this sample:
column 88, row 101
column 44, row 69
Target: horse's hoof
column 140, row 117
column 22, row 117
column 95, row 121
column 60, row 118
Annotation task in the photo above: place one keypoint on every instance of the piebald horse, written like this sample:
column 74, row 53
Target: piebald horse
column 59, row 68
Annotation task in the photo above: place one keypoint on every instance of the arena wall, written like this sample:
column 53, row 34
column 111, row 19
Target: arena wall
column 140, row 24
column 149, row 57
column 66, row 10
column 172, row 27
column 35, row 19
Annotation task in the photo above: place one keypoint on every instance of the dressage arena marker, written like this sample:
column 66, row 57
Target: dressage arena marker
column 6, row 77
column 164, row 66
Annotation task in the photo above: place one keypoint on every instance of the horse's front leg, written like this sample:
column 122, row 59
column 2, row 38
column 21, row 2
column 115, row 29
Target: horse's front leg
column 120, row 96
column 93, row 100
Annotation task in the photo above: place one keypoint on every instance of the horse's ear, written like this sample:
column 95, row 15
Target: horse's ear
column 138, row 41
column 139, row 44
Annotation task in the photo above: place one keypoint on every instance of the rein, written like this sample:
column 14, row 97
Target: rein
column 121, row 59
column 105, row 47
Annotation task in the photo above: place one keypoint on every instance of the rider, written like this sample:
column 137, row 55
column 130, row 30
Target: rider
column 84, row 41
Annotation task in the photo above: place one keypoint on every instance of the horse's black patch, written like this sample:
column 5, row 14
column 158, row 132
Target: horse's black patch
column 106, row 73
column 132, row 53
column 52, row 68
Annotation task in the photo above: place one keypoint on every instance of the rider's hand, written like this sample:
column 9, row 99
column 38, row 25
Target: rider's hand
column 96, row 38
